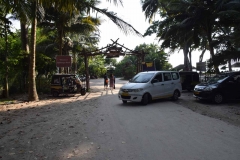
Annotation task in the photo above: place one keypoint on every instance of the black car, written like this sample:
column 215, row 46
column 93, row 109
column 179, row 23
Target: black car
column 221, row 87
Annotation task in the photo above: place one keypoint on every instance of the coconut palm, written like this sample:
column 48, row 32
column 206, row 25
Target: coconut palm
column 35, row 8
column 174, row 33
column 200, row 18
column 228, row 40
column 4, row 32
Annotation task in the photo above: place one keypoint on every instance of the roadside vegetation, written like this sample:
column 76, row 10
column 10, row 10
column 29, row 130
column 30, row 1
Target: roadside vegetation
column 50, row 28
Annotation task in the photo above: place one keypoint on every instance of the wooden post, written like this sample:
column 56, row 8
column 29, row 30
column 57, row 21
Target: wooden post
column 142, row 60
column 86, row 71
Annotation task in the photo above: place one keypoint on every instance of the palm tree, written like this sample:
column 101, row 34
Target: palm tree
column 228, row 40
column 32, row 91
column 64, row 6
column 5, row 31
column 202, row 21
column 171, row 30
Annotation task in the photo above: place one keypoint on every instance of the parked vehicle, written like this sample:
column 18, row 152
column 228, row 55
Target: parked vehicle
column 221, row 87
column 66, row 84
column 147, row 86
column 189, row 80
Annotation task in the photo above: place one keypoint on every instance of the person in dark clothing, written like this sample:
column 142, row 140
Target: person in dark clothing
column 114, row 78
column 105, row 78
column 111, row 81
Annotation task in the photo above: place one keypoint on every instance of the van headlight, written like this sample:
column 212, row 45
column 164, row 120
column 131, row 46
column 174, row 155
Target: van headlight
column 208, row 89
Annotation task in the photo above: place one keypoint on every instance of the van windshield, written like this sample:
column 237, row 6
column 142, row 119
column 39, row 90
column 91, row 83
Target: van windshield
column 142, row 78
column 218, row 78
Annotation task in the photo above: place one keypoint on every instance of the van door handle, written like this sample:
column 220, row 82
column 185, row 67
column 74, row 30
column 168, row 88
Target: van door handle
column 162, row 84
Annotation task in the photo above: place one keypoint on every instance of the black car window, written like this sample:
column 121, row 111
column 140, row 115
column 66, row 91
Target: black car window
column 218, row 78
column 235, row 78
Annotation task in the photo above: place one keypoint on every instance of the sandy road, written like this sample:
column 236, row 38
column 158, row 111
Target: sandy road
column 160, row 130
column 98, row 126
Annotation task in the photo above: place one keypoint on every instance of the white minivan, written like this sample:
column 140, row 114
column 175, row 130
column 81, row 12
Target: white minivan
column 151, row 85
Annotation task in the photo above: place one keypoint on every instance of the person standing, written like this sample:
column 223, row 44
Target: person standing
column 105, row 78
column 111, row 81
column 114, row 81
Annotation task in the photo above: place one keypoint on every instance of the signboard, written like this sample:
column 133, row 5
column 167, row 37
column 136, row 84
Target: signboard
column 148, row 66
column 201, row 66
column 63, row 61
column 112, row 54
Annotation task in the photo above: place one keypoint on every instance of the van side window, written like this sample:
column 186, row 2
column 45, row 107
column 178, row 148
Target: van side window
column 175, row 76
column 167, row 76
column 159, row 77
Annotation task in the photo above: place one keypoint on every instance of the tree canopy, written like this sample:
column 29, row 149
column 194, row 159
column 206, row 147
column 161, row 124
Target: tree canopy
column 196, row 25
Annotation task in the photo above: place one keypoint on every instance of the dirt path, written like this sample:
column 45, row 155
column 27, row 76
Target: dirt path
column 43, row 130
column 228, row 112
column 52, row 128
column 55, row 128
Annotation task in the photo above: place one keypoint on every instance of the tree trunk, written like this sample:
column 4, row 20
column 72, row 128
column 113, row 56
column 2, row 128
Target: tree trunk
column 74, row 62
column 211, row 49
column 213, row 57
column 6, row 89
column 60, row 35
column 186, row 61
column 190, row 60
column 201, row 56
column 25, row 48
column 32, row 91
column 87, row 71
column 230, row 66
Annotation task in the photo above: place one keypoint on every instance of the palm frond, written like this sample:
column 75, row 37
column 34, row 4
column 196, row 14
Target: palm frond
column 150, row 7
column 124, row 26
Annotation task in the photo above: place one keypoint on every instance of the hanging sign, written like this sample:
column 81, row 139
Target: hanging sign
column 63, row 61
column 148, row 66
column 201, row 66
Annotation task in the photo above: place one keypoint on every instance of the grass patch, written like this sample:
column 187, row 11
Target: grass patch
column 6, row 101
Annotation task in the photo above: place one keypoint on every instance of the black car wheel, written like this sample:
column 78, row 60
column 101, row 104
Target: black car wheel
column 145, row 99
column 218, row 98
column 124, row 101
column 175, row 95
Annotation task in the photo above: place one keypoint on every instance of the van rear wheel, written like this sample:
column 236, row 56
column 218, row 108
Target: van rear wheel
column 175, row 95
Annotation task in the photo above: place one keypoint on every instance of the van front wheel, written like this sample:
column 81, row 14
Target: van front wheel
column 145, row 99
